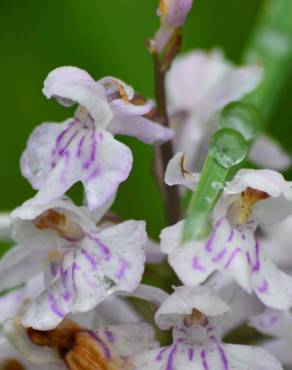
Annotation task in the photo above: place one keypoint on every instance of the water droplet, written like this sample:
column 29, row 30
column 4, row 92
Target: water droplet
column 227, row 147
column 241, row 117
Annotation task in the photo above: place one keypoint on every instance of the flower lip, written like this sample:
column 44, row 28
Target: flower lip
column 192, row 304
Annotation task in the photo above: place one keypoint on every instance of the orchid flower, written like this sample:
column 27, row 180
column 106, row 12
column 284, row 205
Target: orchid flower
column 82, row 263
column 172, row 15
column 195, row 314
column 83, row 148
column 199, row 85
column 87, row 340
column 277, row 325
column 233, row 247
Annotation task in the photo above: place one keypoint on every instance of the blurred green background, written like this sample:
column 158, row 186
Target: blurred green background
column 105, row 38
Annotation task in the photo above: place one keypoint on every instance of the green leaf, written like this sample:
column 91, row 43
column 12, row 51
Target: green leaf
column 227, row 149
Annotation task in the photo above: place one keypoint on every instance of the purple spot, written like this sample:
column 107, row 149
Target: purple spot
column 122, row 269
column 197, row 266
column 100, row 135
column 54, row 307
column 190, row 354
column 66, row 296
column 220, row 255
column 231, row 258
column 169, row 365
column 204, row 360
column 264, row 287
column 106, row 351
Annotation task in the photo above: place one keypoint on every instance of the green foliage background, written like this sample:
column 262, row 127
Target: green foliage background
column 105, row 38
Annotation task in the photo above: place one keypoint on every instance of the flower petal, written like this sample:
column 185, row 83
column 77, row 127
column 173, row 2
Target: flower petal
column 271, row 322
column 140, row 127
column 109, row 261
column 267, row 153
column 58, row 156
column 182, row 302
column 128, row 339
column 194, row 261
column 272, row 286
column 73, row 85
column 247, row 357
column 19, row 264
column 177, row 174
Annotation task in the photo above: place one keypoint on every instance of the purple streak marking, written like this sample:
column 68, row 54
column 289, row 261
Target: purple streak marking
column 256, row 266
column 106, row 351
column 54, row 307
column 89, row 258
column 223, row 357
column 122, row 269
column 231, row 235
column 220, row 255
column 60, row 137
column 190, row 354
column 104, row 249
column 169, row 365
column 74, row 268
column 92, row 156
column 80, row 146
column 92, row 175
column 62, row 150
column 109, row 335
column 160, row 354
column 231, row 258
column 204, row 360
column 197, row 266
column 209, row 243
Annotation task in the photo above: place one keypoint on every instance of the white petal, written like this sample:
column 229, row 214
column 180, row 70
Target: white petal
column 247, row 357
column 128, row 339
column 140, row 127
column 281, row 349
column 267, row 153
column 273, row 323
column 184, row 300
column 19, row 264
column 109, row 261
column 177, row 174
column 192, row 76
column 233, row 86
column 71, row 84
column 194, row 261
column 272, row 286
column 58, row 156
column 35, row 354
column 153, row 253
column 268, row 181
